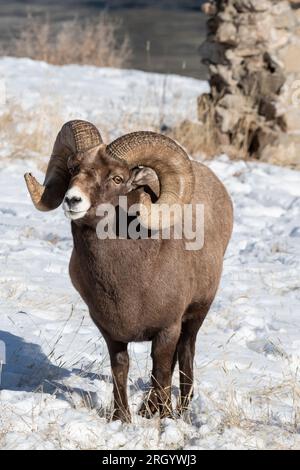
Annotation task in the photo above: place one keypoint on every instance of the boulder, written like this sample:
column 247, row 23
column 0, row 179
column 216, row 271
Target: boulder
column 251, row 5
column 213, row 52
column 227, row 119
column 227, row 34
column 253, row 54
column 290, row 57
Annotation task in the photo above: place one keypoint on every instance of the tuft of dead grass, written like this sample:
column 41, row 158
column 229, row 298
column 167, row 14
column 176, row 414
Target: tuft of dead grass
column 90, row 42
column 196, row 138
column 259, row 408
column 24, row 139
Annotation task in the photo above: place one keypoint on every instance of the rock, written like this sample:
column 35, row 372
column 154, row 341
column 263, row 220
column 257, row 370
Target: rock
column 213, row 52
column 262, row 135
column 285, row 20
column 251, row 5
column 261, row 84
column 278, row 39
column 252, row 34
column 227, row 119
column 267, row 109
column 290, row 57
column 209, row 8
column 295, row 2
column 213, row 24
column 292, row 118
column 234, row 102
column 248, row 51
column 270, row 83
column 232, row 59
column 219, row 83
column 250, row 19
column 227, row 34
column 221, row 78
column 253, row 55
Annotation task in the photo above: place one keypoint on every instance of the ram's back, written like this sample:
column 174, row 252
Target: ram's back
column 218, row 209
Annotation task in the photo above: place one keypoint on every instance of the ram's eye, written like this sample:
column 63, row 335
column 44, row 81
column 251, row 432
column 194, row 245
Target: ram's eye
column 118, row 179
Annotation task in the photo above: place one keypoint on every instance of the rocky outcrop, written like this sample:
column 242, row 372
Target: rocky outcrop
column 252, row 51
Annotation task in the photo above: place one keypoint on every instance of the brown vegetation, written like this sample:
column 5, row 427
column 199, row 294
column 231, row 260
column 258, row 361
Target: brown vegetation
column 91, row 42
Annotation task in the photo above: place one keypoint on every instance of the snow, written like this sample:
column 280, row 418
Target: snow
column 56, row 385
column 117, row 101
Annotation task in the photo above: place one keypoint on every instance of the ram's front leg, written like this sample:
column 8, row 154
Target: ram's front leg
column 120, row 365
column 163, row 350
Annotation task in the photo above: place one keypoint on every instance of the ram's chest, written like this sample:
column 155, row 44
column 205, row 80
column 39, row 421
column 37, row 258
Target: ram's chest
column 116, row 288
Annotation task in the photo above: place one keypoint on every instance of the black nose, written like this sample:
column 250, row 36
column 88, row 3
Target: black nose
column 72, row 201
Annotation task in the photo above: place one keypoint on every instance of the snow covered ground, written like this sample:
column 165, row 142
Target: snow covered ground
column 41, row 97
column 56, row 386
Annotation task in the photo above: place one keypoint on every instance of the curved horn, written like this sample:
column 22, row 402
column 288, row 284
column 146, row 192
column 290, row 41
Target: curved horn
column 75, row 136
column 171, row 164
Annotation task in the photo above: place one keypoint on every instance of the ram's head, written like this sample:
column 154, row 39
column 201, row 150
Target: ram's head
column 83, row 172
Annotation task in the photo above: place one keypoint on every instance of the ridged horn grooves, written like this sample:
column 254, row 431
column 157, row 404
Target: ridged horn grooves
column 75, row 136
column 170, row 162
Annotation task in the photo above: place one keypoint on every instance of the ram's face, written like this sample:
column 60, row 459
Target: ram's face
column 99, row 175
column 95, row 179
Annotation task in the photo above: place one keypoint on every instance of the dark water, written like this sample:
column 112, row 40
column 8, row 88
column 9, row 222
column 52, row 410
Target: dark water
column 164, row 35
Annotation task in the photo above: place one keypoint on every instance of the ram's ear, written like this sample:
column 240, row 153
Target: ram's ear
column 143, row 176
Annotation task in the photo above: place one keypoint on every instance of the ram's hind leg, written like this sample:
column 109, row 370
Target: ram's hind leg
column 186, row 354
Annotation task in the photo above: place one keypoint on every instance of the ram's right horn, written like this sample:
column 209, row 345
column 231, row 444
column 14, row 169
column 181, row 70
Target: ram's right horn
column 75, row 136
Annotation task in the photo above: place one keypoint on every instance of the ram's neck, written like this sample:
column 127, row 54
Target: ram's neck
column 99, row 254
column 85, row 239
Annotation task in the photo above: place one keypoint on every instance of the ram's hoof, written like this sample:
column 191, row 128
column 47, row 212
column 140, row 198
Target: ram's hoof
column 149, row 405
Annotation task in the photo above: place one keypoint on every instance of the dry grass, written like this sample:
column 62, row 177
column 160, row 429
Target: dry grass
column 203, row 139
column 196, row 138
column 90, row 42
column 24, row 139
column 200, row 138
column 30, row 133
column 258, row 408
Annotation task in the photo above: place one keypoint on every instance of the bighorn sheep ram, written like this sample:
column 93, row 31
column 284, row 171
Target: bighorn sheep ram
column 138, row 289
